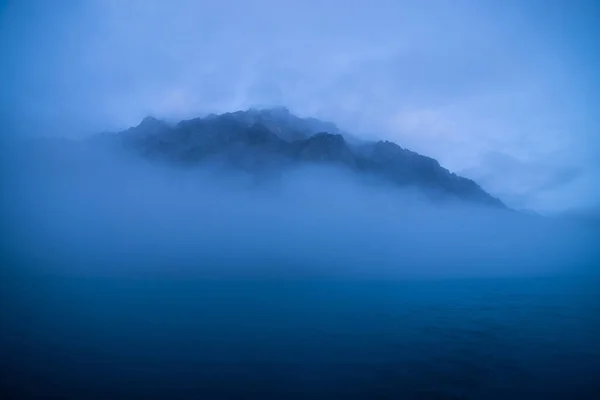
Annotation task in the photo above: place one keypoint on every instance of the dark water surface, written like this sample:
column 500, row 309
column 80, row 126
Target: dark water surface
column 124, row 338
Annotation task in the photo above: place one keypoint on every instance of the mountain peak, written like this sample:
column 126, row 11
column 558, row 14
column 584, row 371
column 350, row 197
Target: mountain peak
column 150, row 121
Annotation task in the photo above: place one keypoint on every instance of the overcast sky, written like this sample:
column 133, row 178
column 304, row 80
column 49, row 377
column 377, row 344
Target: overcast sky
column 504, row 92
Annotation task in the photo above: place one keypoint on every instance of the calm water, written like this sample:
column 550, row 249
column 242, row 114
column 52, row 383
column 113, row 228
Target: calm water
column 531, row 338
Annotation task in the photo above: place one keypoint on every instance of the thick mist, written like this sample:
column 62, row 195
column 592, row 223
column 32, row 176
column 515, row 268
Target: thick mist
column 128, row 278
column 71, row 208
column 277, row 253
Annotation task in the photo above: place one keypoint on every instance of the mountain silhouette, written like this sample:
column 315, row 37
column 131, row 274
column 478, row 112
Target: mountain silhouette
column 270, row 140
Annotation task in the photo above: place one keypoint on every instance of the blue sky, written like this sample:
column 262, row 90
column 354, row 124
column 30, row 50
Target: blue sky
column 505, row 92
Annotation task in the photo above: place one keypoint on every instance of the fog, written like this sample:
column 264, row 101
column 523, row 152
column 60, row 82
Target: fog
column 123, row 277
column 95, row 213
column 504, row 93
column 287, row 267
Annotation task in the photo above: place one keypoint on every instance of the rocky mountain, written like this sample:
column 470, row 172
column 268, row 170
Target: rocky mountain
column 274, row 139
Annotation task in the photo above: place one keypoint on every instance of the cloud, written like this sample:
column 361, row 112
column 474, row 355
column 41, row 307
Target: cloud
column 522, row 183
column 140, row 218
column 451, row 80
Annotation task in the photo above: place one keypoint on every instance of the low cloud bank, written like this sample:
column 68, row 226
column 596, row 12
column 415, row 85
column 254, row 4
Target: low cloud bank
column 108, row 215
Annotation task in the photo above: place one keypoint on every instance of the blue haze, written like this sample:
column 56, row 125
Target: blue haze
column 124, row 278
column 504, row 92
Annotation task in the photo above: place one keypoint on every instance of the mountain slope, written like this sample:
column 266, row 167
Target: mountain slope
column 258, row 140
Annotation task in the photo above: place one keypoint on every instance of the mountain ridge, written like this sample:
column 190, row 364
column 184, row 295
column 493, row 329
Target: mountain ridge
column 266, row 139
